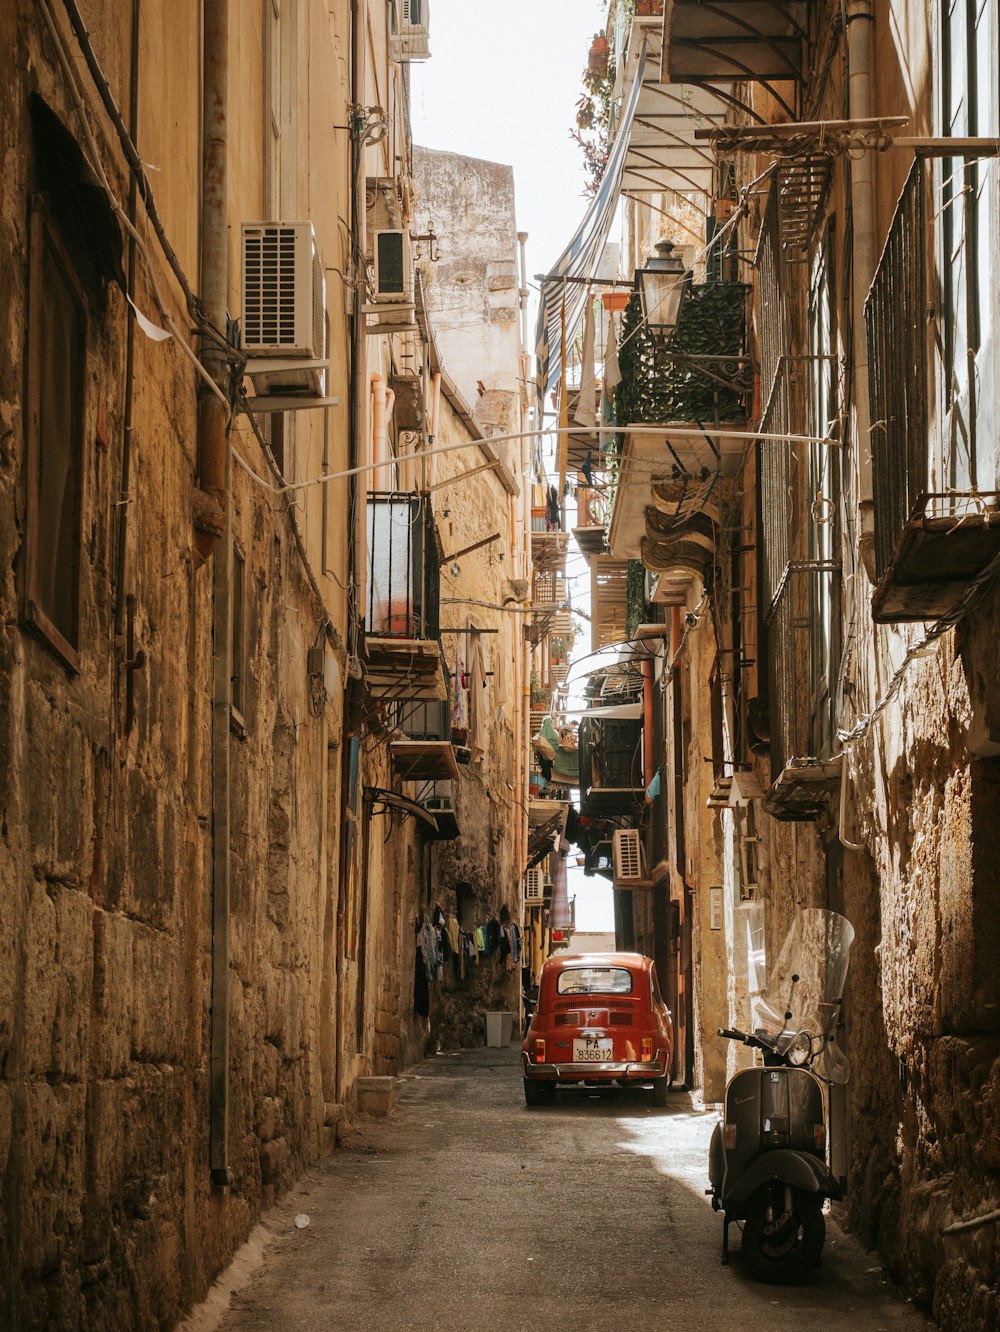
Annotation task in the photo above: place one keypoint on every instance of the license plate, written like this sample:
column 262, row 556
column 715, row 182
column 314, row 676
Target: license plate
column 592, row 1050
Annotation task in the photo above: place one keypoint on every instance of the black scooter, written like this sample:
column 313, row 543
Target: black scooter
column 769, row 1160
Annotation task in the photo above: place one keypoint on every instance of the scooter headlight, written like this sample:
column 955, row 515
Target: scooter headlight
column 799, row 1051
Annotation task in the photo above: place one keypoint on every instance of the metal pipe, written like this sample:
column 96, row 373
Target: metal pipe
column 860, row 21
column 213, row 415
column 126, row 463
column 647, row 722
column 380, row 434
column 359, row 379
column 522, row 291
column 212, row 531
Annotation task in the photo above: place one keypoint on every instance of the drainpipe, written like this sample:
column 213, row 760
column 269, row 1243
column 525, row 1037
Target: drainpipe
column 647, row 722
column 211, row 528
column 435, row 418
column 522, row 291
column 359, row 380
column 210, row 497
column 860, row 22
column 380, row 451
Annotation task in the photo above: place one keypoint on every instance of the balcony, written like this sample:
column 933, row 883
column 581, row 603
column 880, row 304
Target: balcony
column 590, row 533
column 403, row 656
column 611, row 765
column 802, row 624
column 438, row 800
column 425, row 751
column 931, row 542
column 699, row 373
column 549, row 543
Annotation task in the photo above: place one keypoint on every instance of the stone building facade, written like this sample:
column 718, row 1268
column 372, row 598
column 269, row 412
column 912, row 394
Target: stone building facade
column 827, row 656
column 209, row 859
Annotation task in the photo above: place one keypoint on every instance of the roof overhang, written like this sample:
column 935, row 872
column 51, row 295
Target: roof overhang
column 424, row 760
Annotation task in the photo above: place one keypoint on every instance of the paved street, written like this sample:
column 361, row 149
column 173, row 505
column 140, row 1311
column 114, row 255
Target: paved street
column 466, row 1210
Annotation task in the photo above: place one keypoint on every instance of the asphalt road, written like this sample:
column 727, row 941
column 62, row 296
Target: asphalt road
column 466, row 1210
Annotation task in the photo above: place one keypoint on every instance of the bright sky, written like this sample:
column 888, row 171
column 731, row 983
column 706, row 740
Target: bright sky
column 506, row 91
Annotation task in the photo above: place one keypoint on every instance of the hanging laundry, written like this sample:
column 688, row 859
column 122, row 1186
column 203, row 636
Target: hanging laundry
column 478, row 739
column 451, row 925
column 459, row 699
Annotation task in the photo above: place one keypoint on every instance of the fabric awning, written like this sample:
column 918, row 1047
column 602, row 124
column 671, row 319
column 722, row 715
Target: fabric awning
column 581, row 256
column 629, row 710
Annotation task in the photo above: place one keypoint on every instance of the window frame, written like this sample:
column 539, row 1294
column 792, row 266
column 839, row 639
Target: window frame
column 44, row 236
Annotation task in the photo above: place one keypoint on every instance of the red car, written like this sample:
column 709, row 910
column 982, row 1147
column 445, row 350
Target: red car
column 599, row 1020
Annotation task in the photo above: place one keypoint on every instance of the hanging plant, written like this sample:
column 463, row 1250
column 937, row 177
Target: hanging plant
column 593, row 113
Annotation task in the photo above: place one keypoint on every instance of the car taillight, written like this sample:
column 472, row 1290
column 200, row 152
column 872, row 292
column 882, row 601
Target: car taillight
column 647, row 1049
column 539, row 1051
column 819, row 1137
column 730, row 1137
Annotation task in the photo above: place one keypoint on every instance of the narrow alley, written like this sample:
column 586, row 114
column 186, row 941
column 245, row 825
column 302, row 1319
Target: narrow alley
column 465, row 1209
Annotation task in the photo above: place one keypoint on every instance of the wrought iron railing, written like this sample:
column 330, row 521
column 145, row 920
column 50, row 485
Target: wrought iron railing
column 803, row 620
column 700, row 373
column 403, row 568
column 896, row 314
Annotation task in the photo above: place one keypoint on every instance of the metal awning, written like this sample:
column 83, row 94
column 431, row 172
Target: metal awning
column 629, row 710
column 663, row 152
column 377, row 795
column 762, row 41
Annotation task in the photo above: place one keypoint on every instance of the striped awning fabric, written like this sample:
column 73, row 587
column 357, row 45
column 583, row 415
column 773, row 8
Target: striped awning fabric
column 581, row 256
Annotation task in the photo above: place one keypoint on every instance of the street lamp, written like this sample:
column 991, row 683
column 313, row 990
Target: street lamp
column 661, row 285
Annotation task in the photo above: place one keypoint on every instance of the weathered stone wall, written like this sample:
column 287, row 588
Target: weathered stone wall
column 483, row 858
column 932, row 1157
column 108, row 1214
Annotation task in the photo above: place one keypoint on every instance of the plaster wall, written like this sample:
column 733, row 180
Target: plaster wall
column 473, row 286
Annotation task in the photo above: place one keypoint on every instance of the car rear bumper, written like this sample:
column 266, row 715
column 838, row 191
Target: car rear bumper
column 631, row 1071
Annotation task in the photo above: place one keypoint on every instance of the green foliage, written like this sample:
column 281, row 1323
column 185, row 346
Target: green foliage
column 656, row 389
column 635, row 596
column 593, row 119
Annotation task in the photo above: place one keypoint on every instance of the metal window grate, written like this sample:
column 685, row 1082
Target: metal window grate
column 403, row 568
column 896, row 315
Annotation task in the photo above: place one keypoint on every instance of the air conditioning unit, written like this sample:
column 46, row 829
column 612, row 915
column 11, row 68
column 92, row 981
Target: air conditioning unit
column 629, row 858
column 534, row 887
column 393, row 270
column 409, row 42
column 283, row 309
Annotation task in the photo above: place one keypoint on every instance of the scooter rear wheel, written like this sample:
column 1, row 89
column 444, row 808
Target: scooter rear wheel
column 781, row 1248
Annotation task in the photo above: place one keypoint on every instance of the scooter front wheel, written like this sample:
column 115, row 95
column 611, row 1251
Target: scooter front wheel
column 783, row 1235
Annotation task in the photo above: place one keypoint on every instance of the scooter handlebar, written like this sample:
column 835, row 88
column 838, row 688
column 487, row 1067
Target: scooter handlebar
column 731, row 1034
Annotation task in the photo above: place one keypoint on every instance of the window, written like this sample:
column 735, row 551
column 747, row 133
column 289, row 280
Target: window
column 967, row 239
column 594, row 980
column 57, row 336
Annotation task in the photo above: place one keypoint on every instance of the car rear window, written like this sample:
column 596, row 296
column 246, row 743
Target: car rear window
column 594, row 980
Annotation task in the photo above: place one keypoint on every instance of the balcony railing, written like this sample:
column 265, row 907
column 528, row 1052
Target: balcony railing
column 701, row 373
column 402, row 606
column 929, row 543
